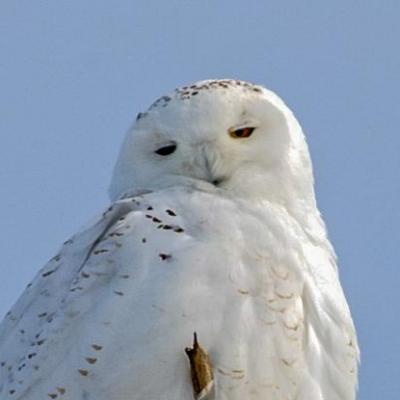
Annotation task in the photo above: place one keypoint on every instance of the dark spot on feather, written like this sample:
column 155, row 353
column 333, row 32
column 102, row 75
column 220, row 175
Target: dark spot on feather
column 167, row 227
column 85, row 274
column 144, row 240
column 42, row 315
column 99, row 251
column 91, row 360
column 83, row 372
column 52, row 395
column 118, row 293
column 21, row 367
column 164, row 256
column 40, row 342
column 116, row 234
column 178, row 229
column 61, row 390
column 156, row 220
column 97, row 347
column 76, row 288
column 12, row 391
column 170, row 212
column 149, row 208
column 31, row 355
column 148, row 216
column 46, row 274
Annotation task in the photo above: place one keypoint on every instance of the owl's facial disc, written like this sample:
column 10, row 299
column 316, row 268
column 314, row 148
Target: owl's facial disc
column 231, row 134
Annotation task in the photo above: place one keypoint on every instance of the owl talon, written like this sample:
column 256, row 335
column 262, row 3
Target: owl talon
column 201, row 371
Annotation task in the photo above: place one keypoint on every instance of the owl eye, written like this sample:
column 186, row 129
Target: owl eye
column 166, row 150
column 241, row 133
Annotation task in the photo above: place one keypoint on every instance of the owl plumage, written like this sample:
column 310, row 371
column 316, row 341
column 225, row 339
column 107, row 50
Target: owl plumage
column 213, row 229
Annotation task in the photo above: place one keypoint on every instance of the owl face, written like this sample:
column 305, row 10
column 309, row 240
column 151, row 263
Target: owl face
column 232, row 135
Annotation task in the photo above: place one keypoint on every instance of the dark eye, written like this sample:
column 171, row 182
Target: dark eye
column 241, row 133
column 166, row 150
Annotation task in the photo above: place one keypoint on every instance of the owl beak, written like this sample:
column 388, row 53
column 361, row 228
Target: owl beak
column 208, row 168
column 207, row 165
column 209, row 162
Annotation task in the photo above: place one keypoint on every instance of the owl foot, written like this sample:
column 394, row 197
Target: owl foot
column 201, row 371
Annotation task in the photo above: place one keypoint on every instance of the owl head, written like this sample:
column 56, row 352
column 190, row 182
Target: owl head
column 230, row 136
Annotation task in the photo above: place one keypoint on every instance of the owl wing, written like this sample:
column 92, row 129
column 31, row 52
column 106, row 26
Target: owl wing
column 32, row 331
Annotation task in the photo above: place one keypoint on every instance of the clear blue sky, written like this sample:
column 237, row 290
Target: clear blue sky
column 73, row 75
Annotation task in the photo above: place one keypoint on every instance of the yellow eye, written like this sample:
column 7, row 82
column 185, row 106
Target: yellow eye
column 241, row 133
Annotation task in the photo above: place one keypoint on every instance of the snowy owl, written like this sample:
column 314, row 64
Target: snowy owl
column 210, row 276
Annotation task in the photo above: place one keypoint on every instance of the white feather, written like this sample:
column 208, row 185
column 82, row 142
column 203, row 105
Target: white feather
column 246, row 264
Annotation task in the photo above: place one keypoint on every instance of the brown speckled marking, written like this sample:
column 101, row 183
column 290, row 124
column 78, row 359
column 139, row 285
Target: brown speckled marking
column 99, row 251
column 61, row 390
column 188, row 92
column 48, row 273
column 288, row 363
column 57, row 257
column 83, row 372
column 112, row 234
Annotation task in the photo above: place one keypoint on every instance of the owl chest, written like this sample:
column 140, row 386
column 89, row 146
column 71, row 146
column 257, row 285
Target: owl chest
column 238, row 291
